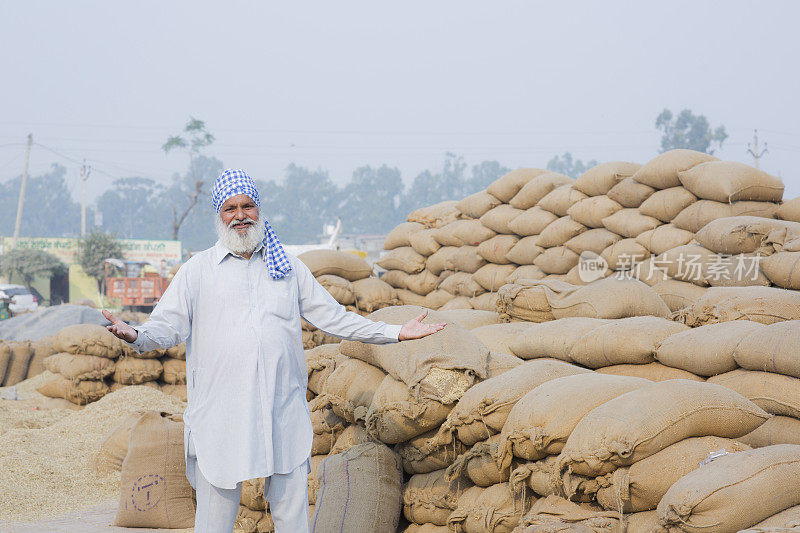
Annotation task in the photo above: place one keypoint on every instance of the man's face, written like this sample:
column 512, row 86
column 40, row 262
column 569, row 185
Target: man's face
column 241, row 210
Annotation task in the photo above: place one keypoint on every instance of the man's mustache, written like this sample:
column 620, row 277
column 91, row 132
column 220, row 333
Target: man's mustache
column 248, row 221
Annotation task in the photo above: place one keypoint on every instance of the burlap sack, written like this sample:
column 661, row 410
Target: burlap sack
column 647, row 420
column 397, row 415
column 478, row 464
column 555, row 514
column 560, row 199
column 436, row 299
column 630, row 223
column 77, row 392
column 154, row 490
column 352, row 435
column 491, row 277
column 361, row 490
column 774, row 393
column 114, row 386
column 706, row 350
column 252, row 495
column 476, row 205
column 783, row 269
column 661, row 172
column 497, row 337
column 423, row 242
column 133, row 371
column 607, row 298
column 776, row 430
column 552, row 339
column 114, row 447
column 20, row 357
column 591, row 211
column 461, row 284
column 88, row 339
column 466, row 259
column 731, row 181
column 651, row 371
column 327, row 428
column 372, row 294
column 441, row 260
column 524, row 251
column 626, row 341
column 531, row 272
column 339, row 288
column 630, row 193
column 689, row 262
column 759, row 304
column 542, row 478
column 593, row 240
column 470, row 318
column 403, row 258
column 624, row 254
column 486, row 509
column 430, row 498
column 531, row 222
column 537, row 188
column 527, row 301
column 644, row 522
column 678, row 294
column 485, row 302
column 558, row 260
column 507, row 186
column 177, row 352
column 436, row 215
column 349, row 389
column 743, row 270
column 771, row 349
column 426, row 528
column 441, row 366
column 401, row 234
column 718, row 496
column 80, row 367
column 743, row 234
column 666, row 204
column 483, row 409
column 462, row 232
column 174, row 371
column 500, row 363
column 601, row 178
column 421, row 454
column 700, row 213
column 343, row 264
column 407, row 297
column 495, row 249
column 559, row 232
column 314, row 477
column 498, row 219
column 179, row 391
column 642, row 485
column 790, row 210
column 42, row 349
column 542, row 420
column 664, row 238
column 786, row 519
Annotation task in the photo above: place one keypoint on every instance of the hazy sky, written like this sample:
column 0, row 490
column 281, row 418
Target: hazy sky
column 336, row 85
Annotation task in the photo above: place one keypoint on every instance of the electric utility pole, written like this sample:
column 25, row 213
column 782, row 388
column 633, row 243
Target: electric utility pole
column 754, row 151
column 85, row 171
column 21, row 200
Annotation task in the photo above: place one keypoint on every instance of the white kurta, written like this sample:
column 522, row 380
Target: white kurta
column 245, row 366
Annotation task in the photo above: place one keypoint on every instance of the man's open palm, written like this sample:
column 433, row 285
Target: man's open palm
column 120, row 328
column 415, row 329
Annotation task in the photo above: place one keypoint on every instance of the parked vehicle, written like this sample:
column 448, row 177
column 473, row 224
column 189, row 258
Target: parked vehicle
column 21, row 299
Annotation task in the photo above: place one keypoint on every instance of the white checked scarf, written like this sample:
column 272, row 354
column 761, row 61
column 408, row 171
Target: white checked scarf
column 236, row 181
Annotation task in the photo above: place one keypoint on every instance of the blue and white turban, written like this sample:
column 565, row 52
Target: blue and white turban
column 236, row 181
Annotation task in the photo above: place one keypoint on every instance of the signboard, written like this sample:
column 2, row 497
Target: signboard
column 66, row 249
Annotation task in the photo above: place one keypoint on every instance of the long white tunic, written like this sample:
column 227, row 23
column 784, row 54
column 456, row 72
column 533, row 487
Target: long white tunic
column 246, row 374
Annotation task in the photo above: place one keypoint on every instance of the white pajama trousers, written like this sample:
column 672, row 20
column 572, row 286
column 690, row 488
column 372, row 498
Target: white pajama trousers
column 287, row 495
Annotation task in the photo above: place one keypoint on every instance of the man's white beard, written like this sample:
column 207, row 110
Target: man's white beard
column 240, row 244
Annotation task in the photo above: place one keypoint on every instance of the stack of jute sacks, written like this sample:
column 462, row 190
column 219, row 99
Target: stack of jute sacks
column 20, row 360
column 89, row 362
column 683, row 222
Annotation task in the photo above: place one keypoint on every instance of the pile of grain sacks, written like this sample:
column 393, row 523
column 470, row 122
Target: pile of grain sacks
column 20, row 360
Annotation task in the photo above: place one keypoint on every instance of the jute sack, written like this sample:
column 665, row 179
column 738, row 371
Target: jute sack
column 461, row 284
column 790, row 210
column 624, row 254
column 743, row 234
column 88, row 339
column 678, row 294
column 651, row 371
column 689, row 262
column 114, row 386
column 626, row 341
column 560, row 199
column 441, row 366
column 759, row 304
column 446, row 235
column 372, row 294
column 421, row 454
column 491, row 277
column 507, row 186
column 774, row 393
column 524, row 251
column 436, row 215
column 42, row 349
column 776, row 430
column 743, row 270
column 441, row 260
column 470, row 232
column 537, row 188
column 314, row 477
column 407, row 297
column 327, row 428
column 21, row 355
column 400, row 235
column 786, row 519
column 436, row 299
column 361, row 490
column 630, row 223
column 252, row 495
column 542, row 420
column 771, row 349
column 601, row 178
column 114, row 447
column 352, row 435
column 642, row 485
column 179, row 391
column 77, row 392
column 466, row 259
column 483, row 409
column 661, row 172
column 80, row 367
column 555, row 514
column 542, row 478
column 527, row 299
column 500, row 363
column 630, row 193
column 497, row 219
column 731, row 181
column 783, row 269
column 718, row 497
column 485, row 302
column 497, row 337
column 339, row 288
column 647, row 420
column 593, row 240
column 531, row 222
column 349, row 389
column 559, row 232
column 403, row 258
column 664, row 238
column 552, row 339
column 706, row 350
column 154, row 490
column 481, row 510
column 396, row 414
column 343, row 264
column 476, row 205
column 531, row 272
column 558, row 260
column 608, row 298
column 174, row 371
column 470, row 318
column 644, row 521
column 700, row 213
column 423, row 242
column 478, row 464
column 495, row 249
column 666, row 204
column 425, row 528
column 133, row 371
column 178, row 351
column 430, row 498
column 396, row 278
column 591, row 211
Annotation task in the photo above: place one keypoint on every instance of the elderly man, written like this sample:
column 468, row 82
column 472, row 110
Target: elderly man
column 238, row 307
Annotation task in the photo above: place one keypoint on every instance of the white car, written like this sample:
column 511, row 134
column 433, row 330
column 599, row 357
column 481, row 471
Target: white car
column 22, row 301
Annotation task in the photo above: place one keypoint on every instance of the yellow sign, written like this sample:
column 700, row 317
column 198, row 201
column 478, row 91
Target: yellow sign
column 66, row 249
